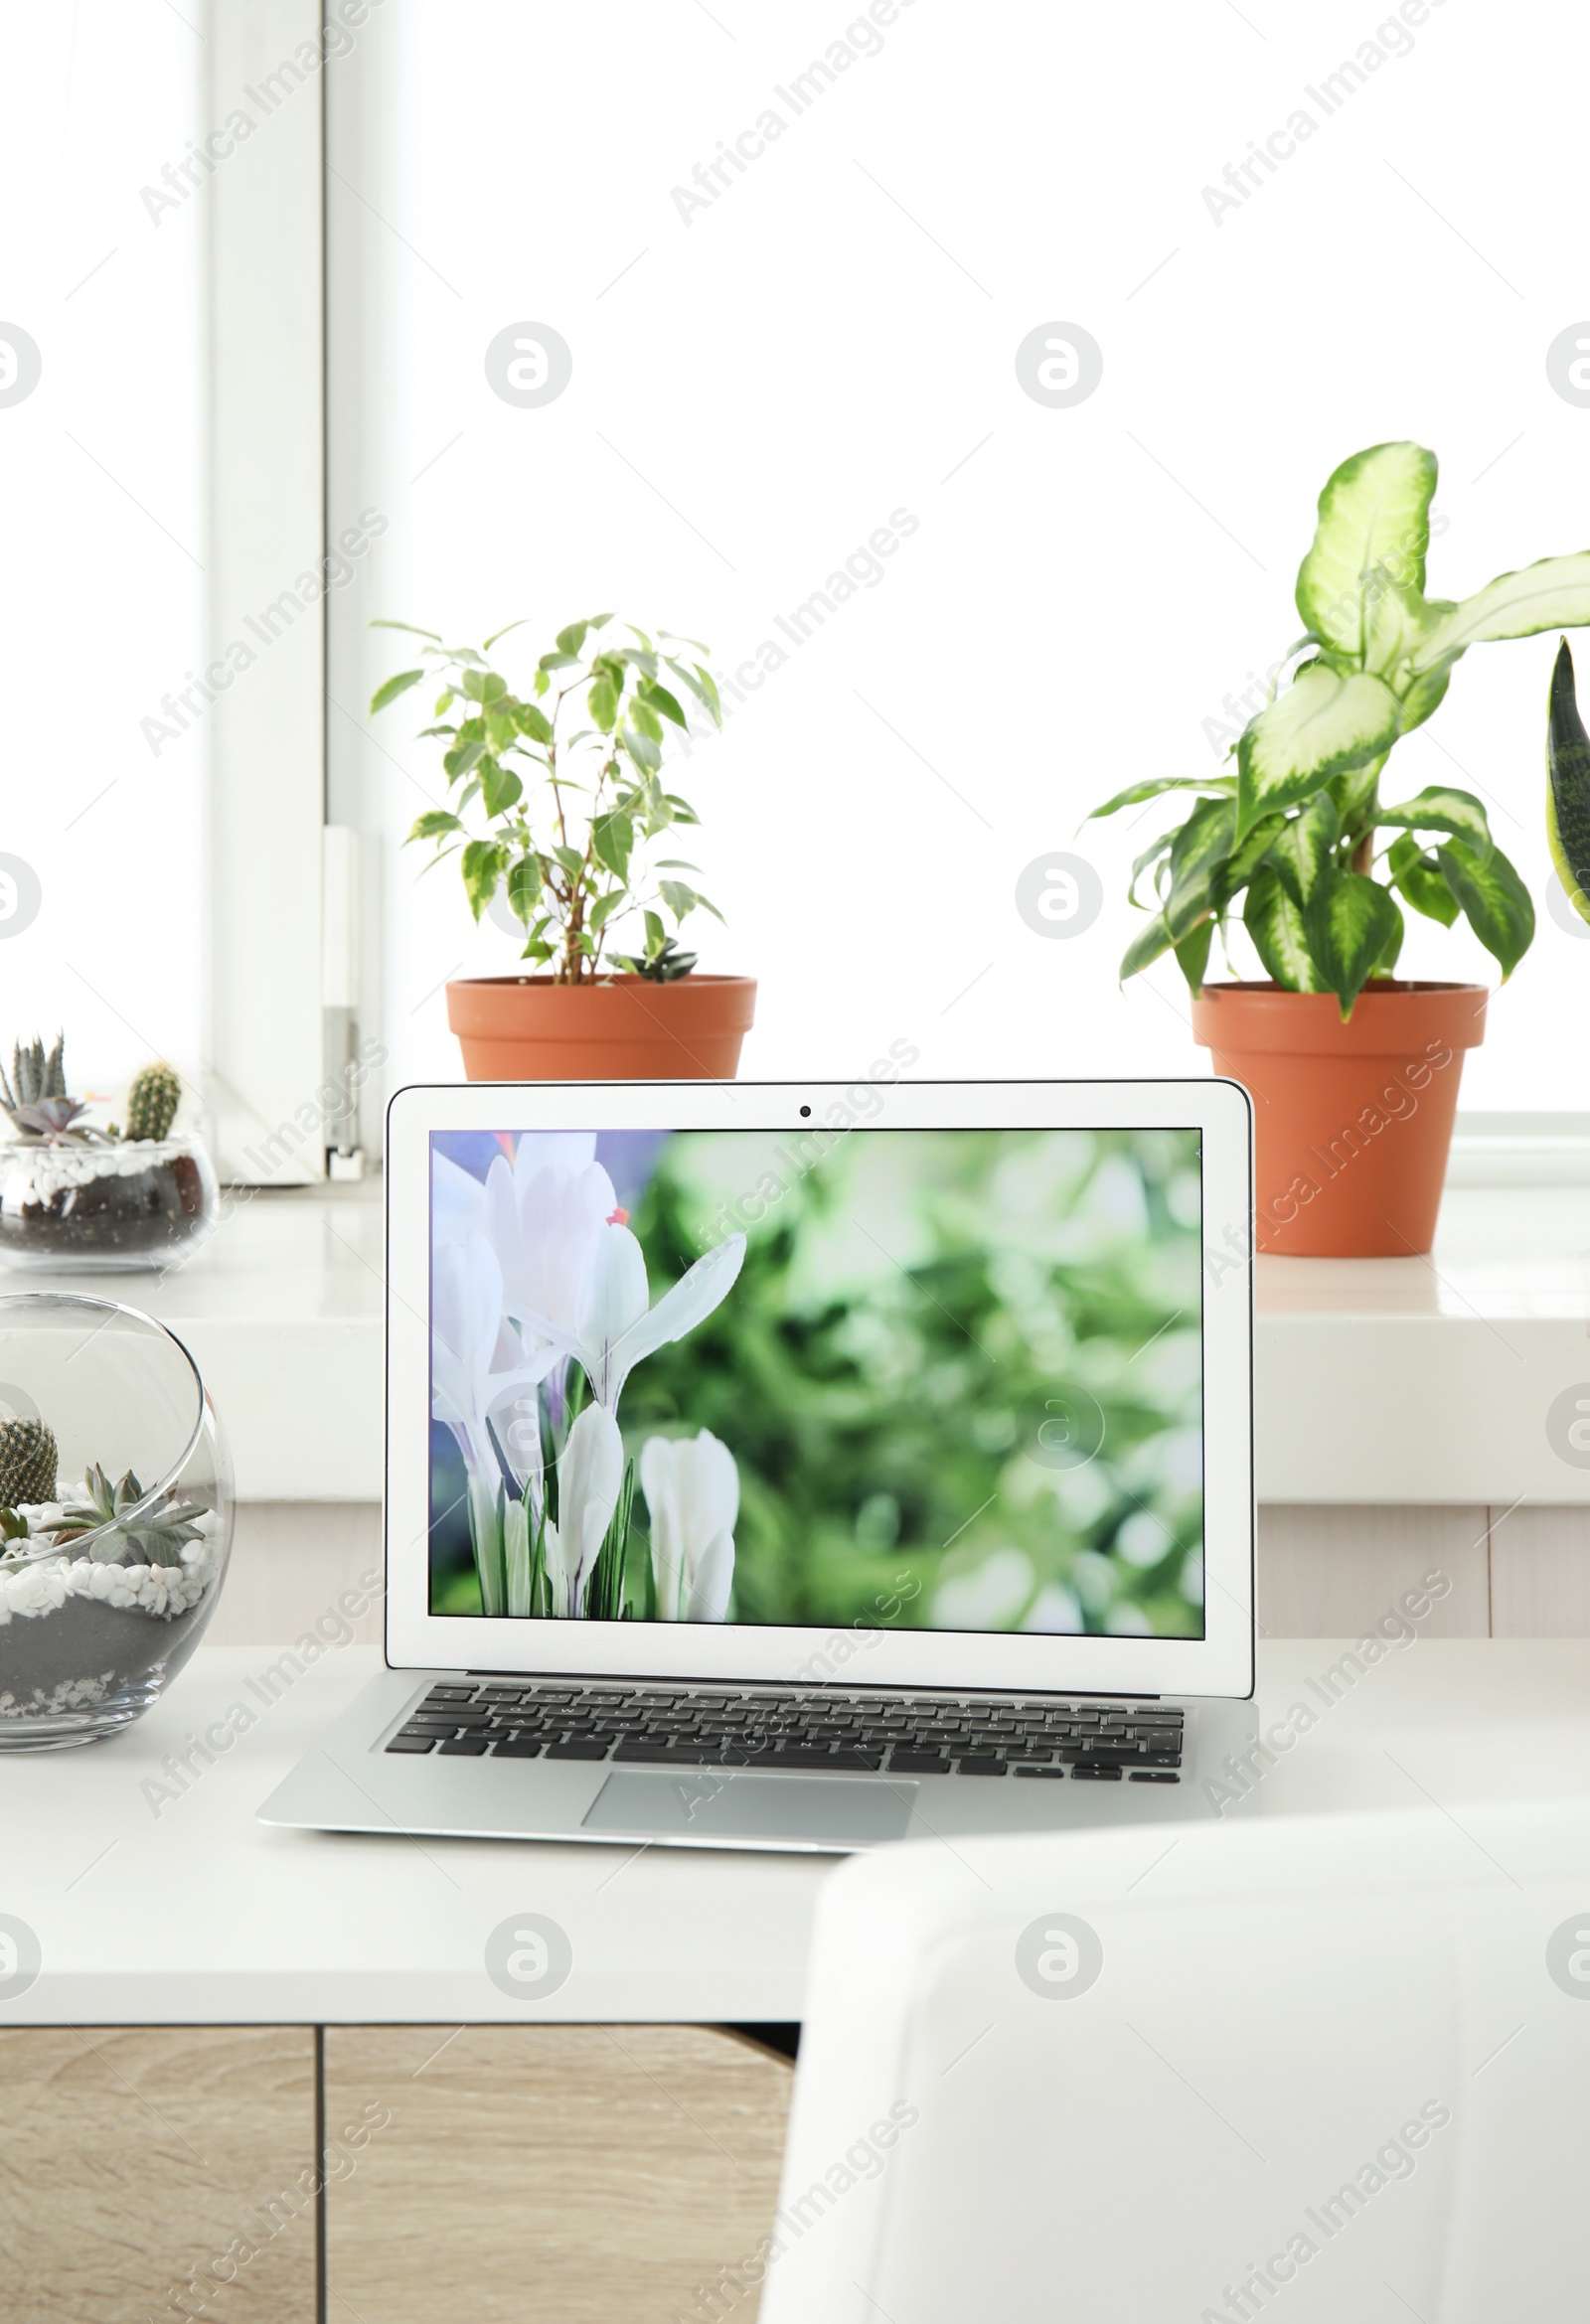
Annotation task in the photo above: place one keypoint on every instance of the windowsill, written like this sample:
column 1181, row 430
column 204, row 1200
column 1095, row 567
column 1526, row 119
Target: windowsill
column 281, row 1310
column 1380, row 1380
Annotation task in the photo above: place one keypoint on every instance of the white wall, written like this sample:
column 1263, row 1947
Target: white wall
column 101, row 587
column 756, row 388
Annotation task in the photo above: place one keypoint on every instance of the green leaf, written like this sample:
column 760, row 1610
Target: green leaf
column 1375, row 515
column 502, row 727
column 605, row 906
column 1349, row 922
column 532, row 722
column 659, row 699
column 613, row 836
column 1420, row 881
column 571, row 639
column 1197, row 855
column 463, row 760
column 1304, row 848
column 700, row 683
column 394, row 688
column 434, row 635
column 1390, row 949
column 602, row 703
column 1192, row 955
column 524, row 887
column 645, row 720
column 641, row 748
column 1440, row 809
column 570, row 860
column 503, row 632
column 1150, row 854
column 1145, row 947
column 680, row 899
column 1275, row 924
column 1215, row 786
column 555, row 662
column 433, row 824
column 1553, row 595
column 1425, row 695
column 1323, row 726
column 483, row 863
column 1569, row 792
column 657, row 936
column 500, row 788
column 536, row 950
column 1496, row 900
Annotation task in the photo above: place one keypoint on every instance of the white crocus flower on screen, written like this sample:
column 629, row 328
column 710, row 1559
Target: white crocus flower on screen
column 692, row 1490
column 615, row 1326
column 589, row 1475
column 476, row 1363
column 541, row 1213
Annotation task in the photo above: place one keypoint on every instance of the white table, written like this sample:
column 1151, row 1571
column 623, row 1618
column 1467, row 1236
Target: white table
column 153, row 1911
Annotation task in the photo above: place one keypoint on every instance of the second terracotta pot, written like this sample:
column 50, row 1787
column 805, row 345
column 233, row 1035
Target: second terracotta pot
column 1352, row 1120
column 626, row 1029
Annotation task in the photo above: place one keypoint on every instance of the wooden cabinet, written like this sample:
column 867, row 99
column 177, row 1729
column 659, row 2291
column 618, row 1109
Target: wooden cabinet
column 578, row 2174
column 141, row 2162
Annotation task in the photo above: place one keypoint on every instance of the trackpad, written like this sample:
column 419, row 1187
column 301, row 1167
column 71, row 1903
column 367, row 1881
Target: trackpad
column 851, row 1811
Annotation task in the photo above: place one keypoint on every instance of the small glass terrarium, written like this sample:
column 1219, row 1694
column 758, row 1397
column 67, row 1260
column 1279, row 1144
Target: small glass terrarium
column 115, row 1516
column 77, row 1199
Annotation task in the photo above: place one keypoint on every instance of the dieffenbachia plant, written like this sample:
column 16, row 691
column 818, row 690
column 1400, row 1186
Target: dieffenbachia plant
column 569, row 814
column 1568, row 786
column 1294, row 831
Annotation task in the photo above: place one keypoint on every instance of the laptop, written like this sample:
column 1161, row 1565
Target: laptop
column 803, row 1465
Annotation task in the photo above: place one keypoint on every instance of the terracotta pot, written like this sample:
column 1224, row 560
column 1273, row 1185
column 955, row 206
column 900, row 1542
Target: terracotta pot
column 1353, row 1121
column 527, row 1029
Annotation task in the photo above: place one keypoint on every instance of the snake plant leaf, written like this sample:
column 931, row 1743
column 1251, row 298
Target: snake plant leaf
column 1216, row 786
column 1420, row 881
column 1275, row 924
column 1568, row 793
column 1351, row 922
column 1374, row 518
column 1327, row 724
column 1553, row 595
column 1303, row 849
column 1440, row 809
column 1495, row 899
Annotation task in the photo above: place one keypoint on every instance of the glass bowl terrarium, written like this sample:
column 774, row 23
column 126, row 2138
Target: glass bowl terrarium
column 116, row 1515
column 74, row 1198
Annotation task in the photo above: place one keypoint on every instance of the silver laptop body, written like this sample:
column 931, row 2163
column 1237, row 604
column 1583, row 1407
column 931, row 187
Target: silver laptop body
column 805, row 1466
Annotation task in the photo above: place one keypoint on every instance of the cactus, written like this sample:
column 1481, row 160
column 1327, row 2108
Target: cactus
column 28, row 1461
column 152, row 1102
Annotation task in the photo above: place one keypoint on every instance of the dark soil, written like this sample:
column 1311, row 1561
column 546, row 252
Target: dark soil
column 147, row 1211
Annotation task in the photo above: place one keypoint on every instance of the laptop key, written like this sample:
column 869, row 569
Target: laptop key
column 1091, row 1772
column 519, row 1746
column 981, row 1767
column 1057, row 1773
column 917, row 1762
column 463, row 1746
column 1153, row 1775
column 592, row 1747
column 411, row 1742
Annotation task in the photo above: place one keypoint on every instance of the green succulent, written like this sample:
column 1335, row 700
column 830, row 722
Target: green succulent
column 36, row 1099
column 152, row 1102
column 159, row 1534
column 28, row 1462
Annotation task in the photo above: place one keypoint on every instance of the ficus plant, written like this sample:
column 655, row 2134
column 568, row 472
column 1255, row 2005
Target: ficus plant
column 1297, row 836
column 570, row 808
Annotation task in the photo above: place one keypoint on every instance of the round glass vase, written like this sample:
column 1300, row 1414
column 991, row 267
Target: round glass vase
column 109, row 1577
column 108, row 1207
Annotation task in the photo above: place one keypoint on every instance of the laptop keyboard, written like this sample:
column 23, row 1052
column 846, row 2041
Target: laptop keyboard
column 925, row 1734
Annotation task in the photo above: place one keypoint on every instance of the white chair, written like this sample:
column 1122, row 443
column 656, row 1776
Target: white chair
column 1333, row 2065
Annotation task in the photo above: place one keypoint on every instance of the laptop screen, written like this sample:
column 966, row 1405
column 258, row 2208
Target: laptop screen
column 869, row 1378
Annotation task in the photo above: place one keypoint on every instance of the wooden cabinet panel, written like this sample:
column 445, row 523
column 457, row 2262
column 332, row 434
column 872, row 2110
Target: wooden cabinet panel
column 139, row 2162
column 577, row 2174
